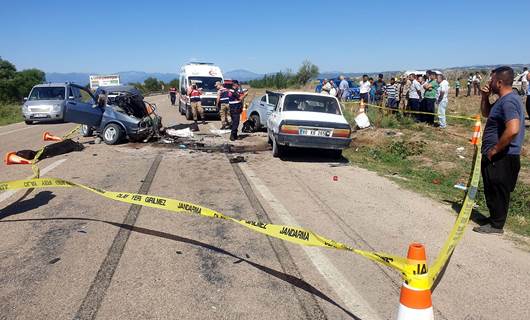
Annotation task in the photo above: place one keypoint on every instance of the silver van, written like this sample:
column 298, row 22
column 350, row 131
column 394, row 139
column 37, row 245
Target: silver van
column 46, row 102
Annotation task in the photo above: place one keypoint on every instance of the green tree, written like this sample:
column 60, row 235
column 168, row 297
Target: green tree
column 26, row 79
column 152, row 84
column 174, row 83
column 306, row 72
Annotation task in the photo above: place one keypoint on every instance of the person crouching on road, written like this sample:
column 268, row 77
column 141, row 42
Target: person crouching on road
column 222, row 102
column 173, row 95
column 501, row 146
column 195, row 99
column 235, row 96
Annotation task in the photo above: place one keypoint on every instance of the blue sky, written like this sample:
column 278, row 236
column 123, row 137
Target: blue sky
column 262, row 36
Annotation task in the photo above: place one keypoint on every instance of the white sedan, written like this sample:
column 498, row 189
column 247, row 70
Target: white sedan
column 308, row 120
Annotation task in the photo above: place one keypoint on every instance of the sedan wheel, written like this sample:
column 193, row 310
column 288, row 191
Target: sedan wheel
column 277, row 150
column 86, row 131
column 112, row 134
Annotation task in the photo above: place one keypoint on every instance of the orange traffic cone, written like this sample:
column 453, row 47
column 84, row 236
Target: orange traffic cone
column 244, row 114
column 12, row 158
column 476, row 130
column 46, row 136
column 361, row 106
column 415, row 303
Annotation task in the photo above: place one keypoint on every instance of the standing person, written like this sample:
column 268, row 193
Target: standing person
column 326, row 87
column 524, row 81
column 501, row 146
column 364, row 89
column 379, row 90
column 528, row 95
column 469, row 84
column 333, row 90
column 344, row 87
column 431, row 90
column 372, row 90
column 457, row 87
column 476, row 83
column 404, row 92
column 415, row 96
column 222, row 102
column 195, row 100
column 235, row 96
column 173, row 95
column 443, row 100
column 391, row 92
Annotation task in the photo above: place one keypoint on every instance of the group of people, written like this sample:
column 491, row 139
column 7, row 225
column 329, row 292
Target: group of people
column 229, row 101
column 331, row 88
column 418, row 93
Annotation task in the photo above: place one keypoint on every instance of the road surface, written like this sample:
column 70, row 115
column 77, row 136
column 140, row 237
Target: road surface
column 69, row 254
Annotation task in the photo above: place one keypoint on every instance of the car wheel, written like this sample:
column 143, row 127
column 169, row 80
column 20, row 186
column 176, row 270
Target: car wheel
column 180, row 108
column 256, row 122
column 277, row 150
column 189, row 116
column 28, row 122
column 269, row 140
column 112, row 134
column 86, row 131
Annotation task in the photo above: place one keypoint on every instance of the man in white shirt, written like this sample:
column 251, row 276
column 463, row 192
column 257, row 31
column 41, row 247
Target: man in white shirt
column 524, row 81
column 476, row 83
column 364, row 88
column 415, row 96
column 443, row 94
column 326, row 87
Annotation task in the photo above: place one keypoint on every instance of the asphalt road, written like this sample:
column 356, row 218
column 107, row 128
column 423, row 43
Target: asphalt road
column 69, row 254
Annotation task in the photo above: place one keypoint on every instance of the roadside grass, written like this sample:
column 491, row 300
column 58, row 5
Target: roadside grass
column 10, row 113
column 430, row 160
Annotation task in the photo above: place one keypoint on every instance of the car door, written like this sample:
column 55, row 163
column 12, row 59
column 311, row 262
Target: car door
column 275, row 117
column 80, row 109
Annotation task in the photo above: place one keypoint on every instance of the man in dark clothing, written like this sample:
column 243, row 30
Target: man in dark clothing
column 379, row 90
column 235, row 97
column 173, row 95
column 501, row 146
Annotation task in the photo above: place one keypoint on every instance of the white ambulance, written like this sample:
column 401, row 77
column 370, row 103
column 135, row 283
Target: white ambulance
column 204, row 75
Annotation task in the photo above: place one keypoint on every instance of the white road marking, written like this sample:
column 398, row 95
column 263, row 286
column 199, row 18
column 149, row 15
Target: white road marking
column 7, row 194
column 336, row 280
column 13, row 131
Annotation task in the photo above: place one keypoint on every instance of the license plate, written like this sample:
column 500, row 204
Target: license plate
column 209, row 108
column 40, row 115
column 315, row 132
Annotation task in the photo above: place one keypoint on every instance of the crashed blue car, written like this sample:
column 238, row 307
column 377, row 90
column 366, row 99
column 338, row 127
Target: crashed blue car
column 114, row 113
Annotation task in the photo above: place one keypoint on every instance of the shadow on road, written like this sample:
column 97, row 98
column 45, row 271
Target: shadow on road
column 22, row 205
column 476, row 216
column 311, row 156
column 297, row 282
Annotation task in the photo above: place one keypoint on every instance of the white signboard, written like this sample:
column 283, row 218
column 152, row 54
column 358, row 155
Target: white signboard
column 101, row 81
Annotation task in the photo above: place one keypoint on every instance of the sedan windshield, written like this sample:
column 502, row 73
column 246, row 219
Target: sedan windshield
column 311, row 103
column 47, row 93
column 205, row 83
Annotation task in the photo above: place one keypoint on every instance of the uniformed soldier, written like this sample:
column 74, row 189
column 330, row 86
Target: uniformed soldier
column 404, row 93
column 195, row 100
column 235, row 97
column 222, row 102
column 173, row 95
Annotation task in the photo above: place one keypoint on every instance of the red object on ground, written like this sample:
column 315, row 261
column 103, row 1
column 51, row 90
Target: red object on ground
column 335, row 178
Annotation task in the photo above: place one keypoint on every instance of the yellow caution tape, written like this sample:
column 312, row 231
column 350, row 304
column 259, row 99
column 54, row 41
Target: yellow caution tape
column 413, row 112
column 461, row 222
column 292, row 234
column 414, row 272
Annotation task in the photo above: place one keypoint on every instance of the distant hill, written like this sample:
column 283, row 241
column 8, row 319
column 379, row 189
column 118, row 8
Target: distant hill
column 140, row 76
column 246, row 75
column 242, row 75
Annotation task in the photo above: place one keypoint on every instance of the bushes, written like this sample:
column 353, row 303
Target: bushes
column 283, row 80
column 15, row 85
